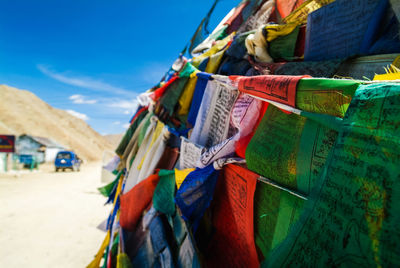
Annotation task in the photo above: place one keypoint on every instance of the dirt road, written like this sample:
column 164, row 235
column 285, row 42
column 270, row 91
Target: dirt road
column 49, row 219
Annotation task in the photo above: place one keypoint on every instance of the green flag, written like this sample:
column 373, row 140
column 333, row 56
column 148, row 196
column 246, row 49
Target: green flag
column 163, row 198
column 275, row 211
column 295, row 149
column 352, row 219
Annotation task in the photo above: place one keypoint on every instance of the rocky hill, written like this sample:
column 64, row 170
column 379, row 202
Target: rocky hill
column 114, row 139
column 22, row 112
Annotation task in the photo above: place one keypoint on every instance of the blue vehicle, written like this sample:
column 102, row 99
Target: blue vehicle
column 67, row 160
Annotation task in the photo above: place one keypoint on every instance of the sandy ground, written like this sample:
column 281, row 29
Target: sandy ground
column 49, row 219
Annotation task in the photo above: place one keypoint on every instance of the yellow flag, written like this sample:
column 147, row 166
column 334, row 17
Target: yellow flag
column 396, row 62
column 219, row 45
column 299, row 16
column 215, row 60
column 123, row 261
column 393, row 71
column 180, row 175
column 186, row 98
column 388, row 76
column 97, row 259
column 119, row 188
column 156, row 134
column 276, row 30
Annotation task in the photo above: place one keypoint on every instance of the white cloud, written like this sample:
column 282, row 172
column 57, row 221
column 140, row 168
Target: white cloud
column 84, row 82
column 126, row 125
column 78, row 115
column 117, row 123
column 79, row 99
column 129, row 106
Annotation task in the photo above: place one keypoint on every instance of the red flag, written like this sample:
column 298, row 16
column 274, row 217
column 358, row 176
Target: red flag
column 279, row 88
column 134, row 202
column 233, row 242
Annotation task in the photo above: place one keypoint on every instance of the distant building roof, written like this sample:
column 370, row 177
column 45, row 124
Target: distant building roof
column 44, row 141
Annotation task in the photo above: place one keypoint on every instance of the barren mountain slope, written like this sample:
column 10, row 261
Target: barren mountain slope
column 22, row 112
column 114, row 139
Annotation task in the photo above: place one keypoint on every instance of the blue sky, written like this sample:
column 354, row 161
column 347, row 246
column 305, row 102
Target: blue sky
column 93, row 57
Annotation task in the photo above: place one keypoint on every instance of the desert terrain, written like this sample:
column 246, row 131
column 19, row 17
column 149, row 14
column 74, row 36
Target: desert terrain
column 49, row 219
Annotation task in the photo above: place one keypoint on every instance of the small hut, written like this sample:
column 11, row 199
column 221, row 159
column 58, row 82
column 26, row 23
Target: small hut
column 44, row 149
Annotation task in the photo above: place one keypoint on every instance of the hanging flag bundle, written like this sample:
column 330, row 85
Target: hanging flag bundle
column 270, row 145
